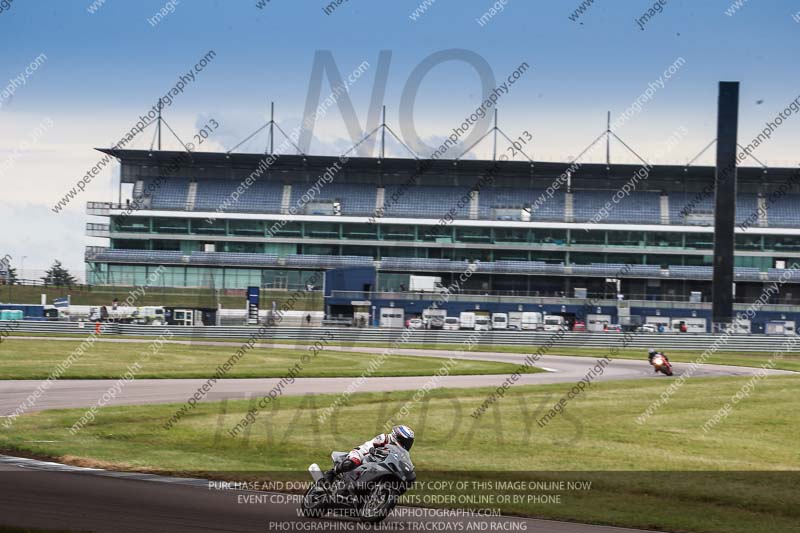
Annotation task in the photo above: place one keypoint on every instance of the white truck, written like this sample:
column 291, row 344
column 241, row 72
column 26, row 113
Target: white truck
column 515, row 320
column 153, row 315
column 466, row 320
column 150, row 314
column 554, row 323
column 531, row 320
column 596, row 322
column 483, row 322
column 425, row 284
column 499, row 321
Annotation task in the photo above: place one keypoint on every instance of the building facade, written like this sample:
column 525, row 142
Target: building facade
column 542, row 229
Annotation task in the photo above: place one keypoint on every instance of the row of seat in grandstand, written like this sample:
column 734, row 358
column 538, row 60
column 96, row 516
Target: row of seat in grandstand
column 489, row 203
column 411, row 264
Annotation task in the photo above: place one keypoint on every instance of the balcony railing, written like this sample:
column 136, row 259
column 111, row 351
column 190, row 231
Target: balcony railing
column 91, row 251
column 98, row 208
column 98, row 230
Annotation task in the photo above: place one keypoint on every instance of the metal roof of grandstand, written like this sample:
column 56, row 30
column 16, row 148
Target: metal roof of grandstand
column 409, row 165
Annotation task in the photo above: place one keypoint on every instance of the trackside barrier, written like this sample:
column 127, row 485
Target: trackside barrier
column 661, row 341
column 36, row 326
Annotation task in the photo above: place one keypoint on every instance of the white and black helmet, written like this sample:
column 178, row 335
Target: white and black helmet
column 404, row 436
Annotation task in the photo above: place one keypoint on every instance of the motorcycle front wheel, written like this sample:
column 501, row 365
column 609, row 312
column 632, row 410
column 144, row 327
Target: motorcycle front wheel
column 313, row 503
column 379, row 503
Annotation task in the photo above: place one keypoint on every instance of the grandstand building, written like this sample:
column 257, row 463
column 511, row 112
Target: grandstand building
column 535, row 232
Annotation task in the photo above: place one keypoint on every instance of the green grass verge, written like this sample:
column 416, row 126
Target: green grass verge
column 788, row 361
column 29, row 359
column 667, row 473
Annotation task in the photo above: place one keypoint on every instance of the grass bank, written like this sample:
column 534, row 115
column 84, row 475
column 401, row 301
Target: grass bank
column 31, row 359
column 788, row 361
column 666, row 473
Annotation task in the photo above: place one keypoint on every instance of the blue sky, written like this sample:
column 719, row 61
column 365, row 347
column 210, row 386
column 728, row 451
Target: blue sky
column 103, row 69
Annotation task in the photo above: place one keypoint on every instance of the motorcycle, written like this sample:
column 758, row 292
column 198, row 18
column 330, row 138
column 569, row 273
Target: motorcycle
column 661, row 364
column 369, row 492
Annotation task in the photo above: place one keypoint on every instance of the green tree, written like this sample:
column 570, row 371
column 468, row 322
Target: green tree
column 59, row 276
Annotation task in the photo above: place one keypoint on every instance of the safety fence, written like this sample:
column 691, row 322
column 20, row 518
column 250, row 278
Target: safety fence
column 662, row 341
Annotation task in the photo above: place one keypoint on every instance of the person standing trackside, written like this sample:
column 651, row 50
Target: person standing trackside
column 308, row 319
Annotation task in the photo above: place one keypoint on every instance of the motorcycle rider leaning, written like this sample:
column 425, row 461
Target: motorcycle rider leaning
column 651, row 355
column 400, row 435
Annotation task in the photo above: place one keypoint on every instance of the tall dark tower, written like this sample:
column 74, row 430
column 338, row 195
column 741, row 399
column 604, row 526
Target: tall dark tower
column 725, row 203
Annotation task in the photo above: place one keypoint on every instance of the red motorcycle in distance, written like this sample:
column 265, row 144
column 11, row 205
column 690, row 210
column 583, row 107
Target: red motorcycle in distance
column 661, row 364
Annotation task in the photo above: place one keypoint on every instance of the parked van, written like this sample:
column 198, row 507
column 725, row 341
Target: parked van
column 433, row 318
column 554, row 323
column 482, row 323
column 436, row 322
column 499, row 321
column 451, row 323
column 466, row 320
column 415, row 323
column 532, row 320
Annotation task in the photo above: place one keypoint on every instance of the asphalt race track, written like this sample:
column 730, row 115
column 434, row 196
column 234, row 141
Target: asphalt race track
column 562, row 369
column 36, row 494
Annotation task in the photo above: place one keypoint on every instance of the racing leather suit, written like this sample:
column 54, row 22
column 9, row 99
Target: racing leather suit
column 651, row 357
column 359, row 454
